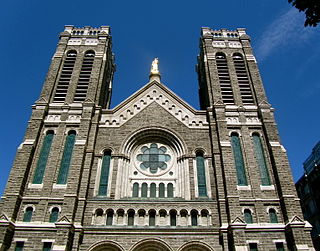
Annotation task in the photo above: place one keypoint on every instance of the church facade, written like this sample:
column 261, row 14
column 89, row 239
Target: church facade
column 153, row 173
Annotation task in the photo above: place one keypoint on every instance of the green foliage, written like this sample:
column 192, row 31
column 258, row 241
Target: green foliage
column 311, row 8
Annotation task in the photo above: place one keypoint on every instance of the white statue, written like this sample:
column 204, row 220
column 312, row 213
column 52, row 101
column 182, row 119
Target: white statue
column 155, row 67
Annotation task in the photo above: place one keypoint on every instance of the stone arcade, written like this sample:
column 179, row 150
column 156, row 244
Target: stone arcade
column 153, row 173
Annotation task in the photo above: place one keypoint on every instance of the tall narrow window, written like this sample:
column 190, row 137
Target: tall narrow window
column 261, row 160
column 66, row 158
column 152, row 218
column 273, row 216
column 65, row 77
column 170, row 190
column 144, row 190
column 248, row 216
column 135, row 190
column 201, row 174
column 153, row 189
column 54, row 215
column 238, row 160
column 173, row 218
column 243, row 80
column 43, row 158
column 161, row 190
column 27, row 217
column 104, row 175
column 224, row 79
column 194, row 218
column 109, row 217
column 84, row 77
column 47, row 246
column 19, row 246
column 131, row 214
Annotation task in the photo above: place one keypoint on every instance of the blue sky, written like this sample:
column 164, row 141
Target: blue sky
column 287, row 53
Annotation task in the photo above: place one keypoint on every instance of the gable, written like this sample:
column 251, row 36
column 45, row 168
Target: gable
column 158, row 93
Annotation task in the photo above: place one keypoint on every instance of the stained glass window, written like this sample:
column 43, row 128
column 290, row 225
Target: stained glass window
column 238, row 160
column 261, row 160
column 66, row 158
column 153, row 158
column 43, row 158
column 54, row 215
column 104, row 176
column 202, row 188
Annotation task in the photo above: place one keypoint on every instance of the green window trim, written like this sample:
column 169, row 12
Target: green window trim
column 153, row 190
column 144, row 190
column 27, row 217
column 201, row 174
column 273, row 216
column 261, row 160
column 104, row 175
column 170, row 190
column 161, row 190
column 238, row 160
column 248, row 216
column 66, row 158
column 135, row 190
column 43, row 158
column 54, row 215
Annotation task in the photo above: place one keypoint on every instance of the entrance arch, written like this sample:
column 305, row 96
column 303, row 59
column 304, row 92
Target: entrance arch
column 151, row 245
column 106, row 246
column 195, row 246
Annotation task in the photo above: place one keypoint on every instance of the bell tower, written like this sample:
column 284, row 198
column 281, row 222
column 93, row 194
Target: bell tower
column 253, row 175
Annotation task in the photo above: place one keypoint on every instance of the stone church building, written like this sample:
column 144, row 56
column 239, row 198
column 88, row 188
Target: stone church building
column 153, row 173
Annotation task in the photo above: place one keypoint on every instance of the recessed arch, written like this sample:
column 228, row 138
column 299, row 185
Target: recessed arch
column 106, row 246
column 151, row 245
column 195, row 246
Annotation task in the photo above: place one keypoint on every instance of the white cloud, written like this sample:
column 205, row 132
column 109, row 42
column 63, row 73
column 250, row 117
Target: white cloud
column 286, row 30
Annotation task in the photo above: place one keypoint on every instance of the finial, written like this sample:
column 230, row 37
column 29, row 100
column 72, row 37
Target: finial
column 154, row 72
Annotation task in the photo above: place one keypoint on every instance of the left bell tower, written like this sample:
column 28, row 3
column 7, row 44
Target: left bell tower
column 56, row 151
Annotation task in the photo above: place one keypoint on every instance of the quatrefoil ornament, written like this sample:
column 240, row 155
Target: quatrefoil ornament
column 153, row 158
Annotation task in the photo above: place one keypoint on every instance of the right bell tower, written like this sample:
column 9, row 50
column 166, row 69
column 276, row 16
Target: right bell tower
column 256, row 195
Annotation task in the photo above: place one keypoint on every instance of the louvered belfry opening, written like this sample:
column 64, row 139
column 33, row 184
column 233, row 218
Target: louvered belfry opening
column 224, row 79
column 65, row 77
column 243, row 80
column 84, row 77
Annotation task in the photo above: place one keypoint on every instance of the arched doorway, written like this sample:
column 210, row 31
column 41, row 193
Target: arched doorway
column 106, row 246
column 195, row 246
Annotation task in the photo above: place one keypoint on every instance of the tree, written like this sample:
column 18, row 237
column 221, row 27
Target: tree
column 311, row 8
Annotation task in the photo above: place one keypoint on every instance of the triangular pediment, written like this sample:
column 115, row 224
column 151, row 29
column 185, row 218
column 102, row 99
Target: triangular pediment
column 163, row 96
column 3, row 218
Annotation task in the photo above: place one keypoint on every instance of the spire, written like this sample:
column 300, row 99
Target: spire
column 154, row 72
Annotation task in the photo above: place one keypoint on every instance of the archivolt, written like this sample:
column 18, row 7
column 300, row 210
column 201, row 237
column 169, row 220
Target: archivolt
column 195, row 246
column 106, row 246
column 151, row 245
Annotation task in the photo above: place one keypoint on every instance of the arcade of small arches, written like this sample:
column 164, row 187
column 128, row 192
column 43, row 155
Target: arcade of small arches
column 150, row 245
column 152, row 217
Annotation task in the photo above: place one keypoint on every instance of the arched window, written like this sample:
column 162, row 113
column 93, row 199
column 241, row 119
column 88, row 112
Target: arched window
column 66, row 158
column 204, row 217
column 43, row 158
column 243, row 80
column 183, row 217
column 65, row 77
column 194, row 218
column 152, row 218
column 238, row 160
column 54, row 214
column 104, row 175
column 161, row 190
column 131, row 214
column 135, row 190
column 27, row 217
column 170, row 190
column 173, row 218
column 261, row 160
column 144, row 190
column 273, row 216
column 84, row 77
column 224, row 79
column 109, row 217
column 201, row 174
column 248, row 216
column 120, row 216
column 153, row 190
